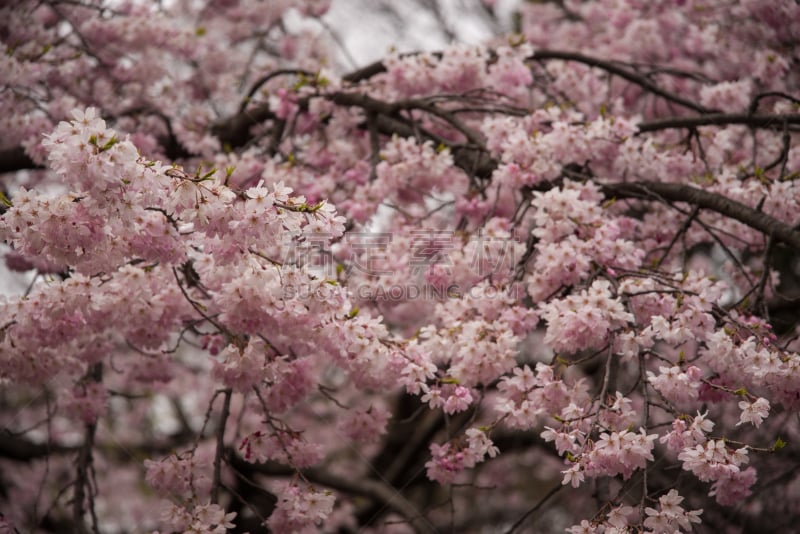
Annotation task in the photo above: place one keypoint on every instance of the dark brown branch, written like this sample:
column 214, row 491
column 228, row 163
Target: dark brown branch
column 721, row 119
column 84, row 466
column 23, row 450
column 223, row 420
column 363, row 487
column 15, row 159
column 20, row 449
column 706, row 200
column 365, row 73
column 774, row 94
column 618, row 70
column 267, row 77
column 479, row 163
column 235, row 132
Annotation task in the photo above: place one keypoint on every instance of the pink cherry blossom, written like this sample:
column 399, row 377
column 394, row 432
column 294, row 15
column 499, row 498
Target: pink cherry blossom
column 254, row 281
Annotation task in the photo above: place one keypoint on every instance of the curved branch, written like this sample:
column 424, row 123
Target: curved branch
column 615, row 68
column 370, row 488
column 365, row 73
column 267, row 77
column 476, row 162
column 706, row 200
column 235, row 131
column 721, row 119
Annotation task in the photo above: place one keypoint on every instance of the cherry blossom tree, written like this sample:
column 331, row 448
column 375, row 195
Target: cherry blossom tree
column 546, row 283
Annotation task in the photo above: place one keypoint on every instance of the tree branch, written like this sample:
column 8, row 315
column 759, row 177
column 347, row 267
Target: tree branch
column 23, row 450
column 721, row 119
column 616, row 69
column 15, row 159
column 712, row 201
column 84, row 465
column 223, row 420
column 370, row 488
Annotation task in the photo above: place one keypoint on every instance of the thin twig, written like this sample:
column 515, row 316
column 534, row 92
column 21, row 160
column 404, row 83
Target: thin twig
column 223, row 419
column 536, row 507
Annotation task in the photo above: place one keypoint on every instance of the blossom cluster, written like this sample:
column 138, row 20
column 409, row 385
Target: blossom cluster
column 215, row 222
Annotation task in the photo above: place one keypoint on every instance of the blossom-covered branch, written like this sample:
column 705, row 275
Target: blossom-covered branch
column 543, row 283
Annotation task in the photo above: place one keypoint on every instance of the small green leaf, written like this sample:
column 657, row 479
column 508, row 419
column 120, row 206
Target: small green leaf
column 741, row 392
column 302, row 81
column 322, row 81
column 5, row 201
column 779, row 444
column 208, row 175
column 516, row 40
column 111, row 142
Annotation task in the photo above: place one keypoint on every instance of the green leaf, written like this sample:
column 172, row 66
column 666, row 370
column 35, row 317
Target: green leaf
column 322, row 81
column 5, row 201
column 779, row 444
column 302, row 81
column 111, row 142
column 208, row 175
